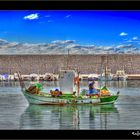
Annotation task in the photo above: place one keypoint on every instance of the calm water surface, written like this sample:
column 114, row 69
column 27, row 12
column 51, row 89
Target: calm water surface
column 16, row 113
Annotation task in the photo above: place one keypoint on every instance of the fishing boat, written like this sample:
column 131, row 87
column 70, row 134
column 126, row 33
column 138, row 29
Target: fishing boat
column 70, row 93
column 49, row 77
column 120, row 75
column 106, row 74
column 92, row 77
column 67, row 99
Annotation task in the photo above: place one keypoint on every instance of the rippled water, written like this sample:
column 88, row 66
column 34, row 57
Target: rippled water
column 16, row 113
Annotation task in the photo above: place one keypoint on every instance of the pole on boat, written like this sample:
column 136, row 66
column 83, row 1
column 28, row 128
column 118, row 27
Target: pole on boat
column 78, row 85
column 101, row 71
column 118, row 78
column 105, row 74
column 106, row 69
column 22, row 85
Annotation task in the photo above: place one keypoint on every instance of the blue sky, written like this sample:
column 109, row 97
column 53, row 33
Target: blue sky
column 103, row 29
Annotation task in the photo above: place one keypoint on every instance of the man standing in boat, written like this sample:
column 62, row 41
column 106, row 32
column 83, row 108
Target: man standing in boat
column 77, row 83
column 92, row 89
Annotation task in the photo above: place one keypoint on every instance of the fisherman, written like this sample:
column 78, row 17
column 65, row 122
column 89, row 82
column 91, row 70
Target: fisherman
column 77, row 79
column 56, row 93
column 77, row 84
column 92, row 89
column 59, row 93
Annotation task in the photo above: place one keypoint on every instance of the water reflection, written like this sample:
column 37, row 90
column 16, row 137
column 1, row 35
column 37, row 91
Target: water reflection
column 124, row 115
column 117, row 84
column 133, row 83
column 67, row 117
column 9, row 84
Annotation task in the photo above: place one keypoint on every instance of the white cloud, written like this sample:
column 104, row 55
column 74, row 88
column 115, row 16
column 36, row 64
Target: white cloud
column 132, row 50
column 63, row 42
column 31, row 16
column 135, row 38
column 124, row 46
column 123, row 34
column 71, row 46
column 109, row 48
column 3, row 40
column 68, row 16
column 61, row 47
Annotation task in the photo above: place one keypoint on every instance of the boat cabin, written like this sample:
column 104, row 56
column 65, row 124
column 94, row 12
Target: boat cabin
column 66, row 81
column 120, row 72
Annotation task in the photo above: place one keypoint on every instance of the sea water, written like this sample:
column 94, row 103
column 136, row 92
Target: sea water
column 16, row 113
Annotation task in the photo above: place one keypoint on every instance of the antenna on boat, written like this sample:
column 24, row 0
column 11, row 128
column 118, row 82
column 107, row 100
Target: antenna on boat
column 118, row 79
column 105, row 74
column 68, row 59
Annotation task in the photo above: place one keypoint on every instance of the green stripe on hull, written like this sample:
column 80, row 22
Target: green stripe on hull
column 109, row 98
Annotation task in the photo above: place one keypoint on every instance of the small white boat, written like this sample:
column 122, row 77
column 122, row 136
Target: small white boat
column 92, row 77
column 5, row 77
column 49, row 77
column 67, row 87
column 106, row 76
column 34, row 77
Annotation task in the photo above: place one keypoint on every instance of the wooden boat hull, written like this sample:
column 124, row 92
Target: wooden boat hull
column 44, row 100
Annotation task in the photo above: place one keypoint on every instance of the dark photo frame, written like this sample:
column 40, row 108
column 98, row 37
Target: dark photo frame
column 69, row 5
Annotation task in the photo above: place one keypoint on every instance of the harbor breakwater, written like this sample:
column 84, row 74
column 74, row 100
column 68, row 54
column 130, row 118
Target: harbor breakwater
column 41, row 64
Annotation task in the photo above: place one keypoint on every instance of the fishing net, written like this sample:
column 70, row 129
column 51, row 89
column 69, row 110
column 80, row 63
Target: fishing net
column 105, row 91
column 39, row 86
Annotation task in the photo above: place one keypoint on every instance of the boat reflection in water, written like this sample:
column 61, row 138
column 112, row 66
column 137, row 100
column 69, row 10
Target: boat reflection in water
column 68, row 117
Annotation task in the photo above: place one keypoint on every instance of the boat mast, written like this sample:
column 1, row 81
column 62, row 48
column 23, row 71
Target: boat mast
column 101, row 70
column 22, row 84
column 106, row 69
column 78, row 85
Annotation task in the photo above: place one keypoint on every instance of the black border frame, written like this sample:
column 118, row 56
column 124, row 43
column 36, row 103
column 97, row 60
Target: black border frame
column 69, row 5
